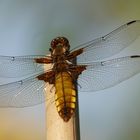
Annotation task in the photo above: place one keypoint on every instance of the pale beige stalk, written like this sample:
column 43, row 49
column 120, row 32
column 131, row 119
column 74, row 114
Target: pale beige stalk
column 56, row 128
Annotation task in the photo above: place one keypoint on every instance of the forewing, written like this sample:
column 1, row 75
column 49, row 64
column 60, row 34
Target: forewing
column 13, row 67
column 27, row 92
column 101, row 75
column 109, row 44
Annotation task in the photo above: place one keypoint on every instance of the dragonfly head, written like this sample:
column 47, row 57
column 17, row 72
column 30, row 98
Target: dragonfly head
column 59, row 45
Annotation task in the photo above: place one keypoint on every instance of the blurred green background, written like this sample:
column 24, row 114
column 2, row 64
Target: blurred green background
column 28, row 26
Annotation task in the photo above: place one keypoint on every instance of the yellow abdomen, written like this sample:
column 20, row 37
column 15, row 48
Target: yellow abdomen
column 65, row 95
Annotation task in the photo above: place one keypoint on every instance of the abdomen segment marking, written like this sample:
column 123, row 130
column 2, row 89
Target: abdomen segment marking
column 65, row 95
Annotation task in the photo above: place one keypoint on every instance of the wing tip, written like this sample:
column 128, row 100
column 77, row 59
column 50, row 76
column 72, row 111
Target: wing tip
column 131, row 22
column 135, row 56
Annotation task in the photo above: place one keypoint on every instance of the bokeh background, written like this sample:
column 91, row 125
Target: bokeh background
column 28, row 26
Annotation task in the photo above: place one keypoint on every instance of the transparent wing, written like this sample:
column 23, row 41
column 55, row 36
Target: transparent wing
column 101, row 75
column 12, row 67
column 109, row 44
column 27, row 92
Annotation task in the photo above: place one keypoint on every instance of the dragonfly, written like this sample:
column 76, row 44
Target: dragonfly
column 83, row 67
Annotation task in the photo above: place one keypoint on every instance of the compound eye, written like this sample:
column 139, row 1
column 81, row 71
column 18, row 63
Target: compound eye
column 65, row 41
column 53, row 43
